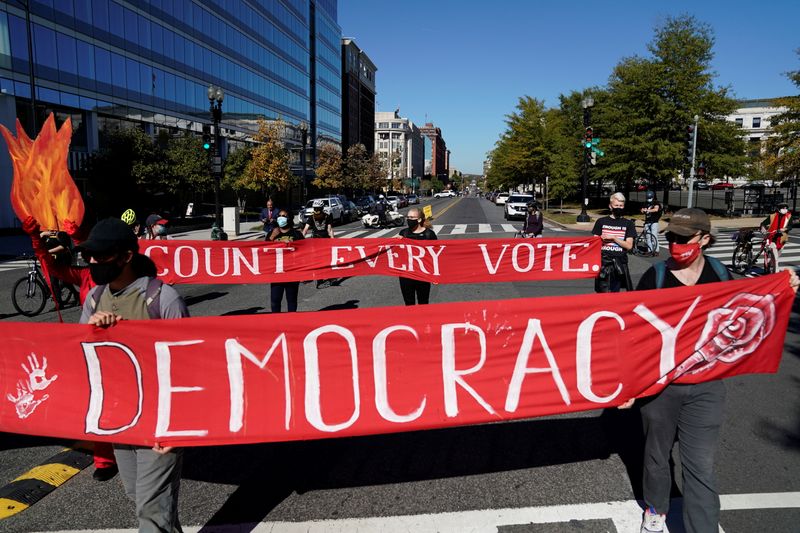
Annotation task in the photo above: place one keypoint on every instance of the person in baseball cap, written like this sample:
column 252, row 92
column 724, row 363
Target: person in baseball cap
column 688, row 221
column 109, row 250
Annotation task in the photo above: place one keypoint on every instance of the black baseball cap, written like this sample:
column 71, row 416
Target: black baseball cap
column 110, row 235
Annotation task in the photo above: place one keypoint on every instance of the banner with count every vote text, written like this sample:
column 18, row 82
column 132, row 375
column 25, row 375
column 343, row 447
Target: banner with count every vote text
column 440, row 261
column 260, row 378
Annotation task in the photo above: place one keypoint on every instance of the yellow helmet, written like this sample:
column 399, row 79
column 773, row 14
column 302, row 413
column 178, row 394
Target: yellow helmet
column 129, row 217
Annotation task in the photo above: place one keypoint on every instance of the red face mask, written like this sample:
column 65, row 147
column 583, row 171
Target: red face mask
column 684, row 254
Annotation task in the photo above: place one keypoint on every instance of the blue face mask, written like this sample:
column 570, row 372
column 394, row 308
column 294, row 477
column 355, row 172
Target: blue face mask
column 283, row 222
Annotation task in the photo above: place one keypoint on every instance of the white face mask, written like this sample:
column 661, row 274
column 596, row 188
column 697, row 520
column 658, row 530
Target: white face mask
column 783, row 210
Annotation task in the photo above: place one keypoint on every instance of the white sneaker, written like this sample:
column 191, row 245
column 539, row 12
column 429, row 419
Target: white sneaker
column 652, row 521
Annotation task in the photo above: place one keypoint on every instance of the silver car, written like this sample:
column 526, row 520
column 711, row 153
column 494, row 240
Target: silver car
column 517, row 206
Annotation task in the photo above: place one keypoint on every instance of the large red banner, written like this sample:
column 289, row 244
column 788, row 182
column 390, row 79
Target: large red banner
column 442, row 261
column 244, row 379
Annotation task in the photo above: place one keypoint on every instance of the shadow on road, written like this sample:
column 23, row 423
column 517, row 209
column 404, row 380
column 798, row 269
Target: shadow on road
column 192, row 300
column 246, row 311
column 266, row 474
column 349, row 304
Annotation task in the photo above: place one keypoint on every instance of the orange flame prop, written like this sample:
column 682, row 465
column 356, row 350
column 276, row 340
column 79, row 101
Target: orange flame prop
column 42, row 186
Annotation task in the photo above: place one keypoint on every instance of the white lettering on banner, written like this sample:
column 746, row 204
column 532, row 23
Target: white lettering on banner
column 515, row 255
column 194, row 259
column 336, row 261
column 233, row 355
column 521, row 368
column 96, row 387
column 391, row 255
column 363, row 254
column 452, row 377
column 548, row 246
column 239, row 259
column 148, row 253
column 569, row 256
column 416, row 258
column 279, row 257
column 669, row 335
column 165, row 390
column 225, row 260
column 435, row 256
column 583, row 356
column 381, row 381
column 489, row 266
column 312, row 395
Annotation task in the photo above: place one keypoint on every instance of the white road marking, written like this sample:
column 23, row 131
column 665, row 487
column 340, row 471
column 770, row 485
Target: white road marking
column 511, row 228
column 353, row 234
column 13, row 265
column 626, row 516
column 382, row 232
column 459, row 229
column 437, row 228
column 484, row 228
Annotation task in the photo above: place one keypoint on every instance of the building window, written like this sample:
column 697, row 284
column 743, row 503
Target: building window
column 739, row 122
column 383, row 125
column 396, row 125
column 756, row 122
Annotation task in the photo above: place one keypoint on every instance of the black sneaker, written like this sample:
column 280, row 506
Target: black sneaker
column 104, row 474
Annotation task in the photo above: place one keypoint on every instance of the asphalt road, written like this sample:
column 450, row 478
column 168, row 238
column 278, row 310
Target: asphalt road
column 526, row 476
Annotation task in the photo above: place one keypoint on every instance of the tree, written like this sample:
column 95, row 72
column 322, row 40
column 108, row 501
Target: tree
column 362, row 170
column 560, row 144
column 268, row 169
column 783, row 149
column 330, row 168
column 235, row 168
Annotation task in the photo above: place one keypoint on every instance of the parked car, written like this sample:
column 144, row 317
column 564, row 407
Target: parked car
column 394, row 201
column 348, row 213
column 701, row 185
column 332, row 204
column 516, row 206
column 721, row 186
column 366, row 204
column 402, row 201
column 413, row 199
column 355, row 211
column 502, row 198
column 445, row 194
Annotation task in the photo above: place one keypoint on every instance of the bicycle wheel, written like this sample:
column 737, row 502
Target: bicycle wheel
column 742, row 258
column 66, row 294
column 28, row 296
column 650, row 243
column 770, row 261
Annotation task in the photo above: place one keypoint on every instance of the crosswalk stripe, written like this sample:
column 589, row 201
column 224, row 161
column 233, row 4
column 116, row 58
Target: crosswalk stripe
column 484, row 228
column 459, row 229
column 354, row 234
column 509, row 228
column 437, row 228
column 13, row 265
column 382, row 232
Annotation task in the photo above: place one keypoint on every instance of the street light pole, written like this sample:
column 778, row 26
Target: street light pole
column 587, row 105
column 304, row 140
column 215, row 97
column 691, row 170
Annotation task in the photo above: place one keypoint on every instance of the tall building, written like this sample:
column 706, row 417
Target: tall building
column 358, row 97
column 439, row 152
column 398, row 139
column 754, row 117
column 110, row 64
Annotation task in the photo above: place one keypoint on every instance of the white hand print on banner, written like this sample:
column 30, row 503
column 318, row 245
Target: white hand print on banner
column 732, row 332
column 26, row 401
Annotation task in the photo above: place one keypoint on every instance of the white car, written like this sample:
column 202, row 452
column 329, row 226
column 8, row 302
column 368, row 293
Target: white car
column 501, row 198
column 332, row 206
column 393, row 201
column 445, row 194
column 517, row 206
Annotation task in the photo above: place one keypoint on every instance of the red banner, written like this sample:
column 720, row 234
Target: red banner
column 441, row 261
column 202, row 381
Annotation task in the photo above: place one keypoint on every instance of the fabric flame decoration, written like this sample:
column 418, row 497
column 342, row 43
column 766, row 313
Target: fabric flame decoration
column 42, row 186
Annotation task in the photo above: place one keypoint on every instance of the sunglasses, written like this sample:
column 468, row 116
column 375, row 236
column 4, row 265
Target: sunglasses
column 679, row 239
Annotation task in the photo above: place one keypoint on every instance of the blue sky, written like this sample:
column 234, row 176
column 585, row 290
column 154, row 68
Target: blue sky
column 463, row 64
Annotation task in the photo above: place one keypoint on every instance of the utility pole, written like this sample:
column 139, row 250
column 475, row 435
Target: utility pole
column 587, row 104
column 691, row 140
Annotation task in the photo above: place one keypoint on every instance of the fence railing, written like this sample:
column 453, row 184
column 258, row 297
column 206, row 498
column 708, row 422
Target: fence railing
column 731, row 202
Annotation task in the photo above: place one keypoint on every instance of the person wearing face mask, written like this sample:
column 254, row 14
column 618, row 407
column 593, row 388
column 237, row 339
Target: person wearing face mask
column 617, row 234
column 652, row 213
column 284, row 232
column 533, row 221
column 693, row 412
column 126, row 289
column 320, row 224
column 415, row 291
column 777, row 227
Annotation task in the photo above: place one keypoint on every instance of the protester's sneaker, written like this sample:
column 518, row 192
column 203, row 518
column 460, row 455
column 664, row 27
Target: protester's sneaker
column 104, row 474
column 652, row 521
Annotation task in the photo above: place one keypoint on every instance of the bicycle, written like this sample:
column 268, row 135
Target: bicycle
column 645, row 244
column 523, row 235
column 30, row 293
column 744, row 258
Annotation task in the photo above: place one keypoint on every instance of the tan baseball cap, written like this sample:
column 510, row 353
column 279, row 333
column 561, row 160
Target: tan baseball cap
column 688, row 221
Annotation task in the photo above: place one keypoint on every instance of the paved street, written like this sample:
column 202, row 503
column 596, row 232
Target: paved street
column 526, row 476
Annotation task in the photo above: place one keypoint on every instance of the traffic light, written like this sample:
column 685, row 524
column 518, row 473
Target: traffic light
column 690, row 133
column 587, row 138
column 207, row 142
column 593, row 158
column 701, row 170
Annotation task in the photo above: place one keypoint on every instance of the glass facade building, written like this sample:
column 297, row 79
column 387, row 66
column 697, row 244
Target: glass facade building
column 108, row 63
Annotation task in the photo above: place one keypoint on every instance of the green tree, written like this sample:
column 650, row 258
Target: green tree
column 268, row 170
column 560, row 143
column 783, row 150
column 235, row 169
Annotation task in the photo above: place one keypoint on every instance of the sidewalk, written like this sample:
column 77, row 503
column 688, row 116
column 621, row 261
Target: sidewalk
column 717, row 224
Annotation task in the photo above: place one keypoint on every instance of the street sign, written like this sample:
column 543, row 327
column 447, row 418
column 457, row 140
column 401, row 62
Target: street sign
column 427, row 211
column 595, row 141
column 598, row 151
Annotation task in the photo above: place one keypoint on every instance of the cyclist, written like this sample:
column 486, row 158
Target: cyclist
column 652, row 214
column 777, row 226
column 533, row 221
column 129, row 217
column 321, row 225
column 380, row 209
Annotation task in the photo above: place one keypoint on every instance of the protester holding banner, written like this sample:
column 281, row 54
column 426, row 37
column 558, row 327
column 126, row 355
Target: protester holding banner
column 693, row 412
column 151, row 476
column 415, row 291
column 285, row 232
column 617, row 234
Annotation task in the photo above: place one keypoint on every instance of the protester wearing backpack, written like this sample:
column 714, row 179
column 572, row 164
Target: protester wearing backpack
column 692, row 412
column 127, row 290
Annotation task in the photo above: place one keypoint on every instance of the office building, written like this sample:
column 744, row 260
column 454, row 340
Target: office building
column 439, row 152
column 358, row 97
column 112, row 64
column 399, row 137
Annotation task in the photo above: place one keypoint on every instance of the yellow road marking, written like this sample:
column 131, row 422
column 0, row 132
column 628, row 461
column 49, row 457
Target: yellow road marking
column 443, row 211
column 10, row 507
column 54, row 473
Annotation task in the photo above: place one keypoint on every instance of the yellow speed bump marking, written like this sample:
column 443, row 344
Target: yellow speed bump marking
column 41, row 480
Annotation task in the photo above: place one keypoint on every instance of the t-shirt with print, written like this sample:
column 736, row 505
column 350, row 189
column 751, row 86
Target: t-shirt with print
column 289, row 236
column 621, row 228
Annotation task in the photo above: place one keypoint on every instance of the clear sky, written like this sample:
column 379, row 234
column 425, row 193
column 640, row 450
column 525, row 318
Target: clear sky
column 463, row 64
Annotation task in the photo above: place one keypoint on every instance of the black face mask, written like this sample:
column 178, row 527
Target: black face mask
column 617, row 212
column 105, row 273
column 412, row 224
